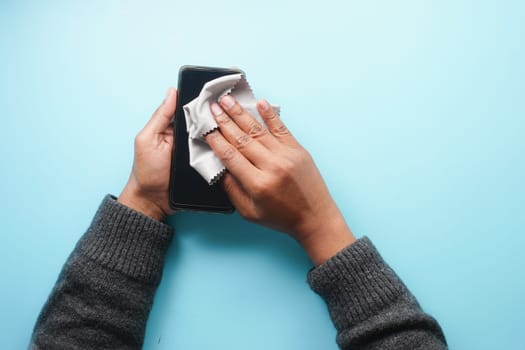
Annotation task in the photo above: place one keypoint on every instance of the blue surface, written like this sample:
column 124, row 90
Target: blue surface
column 413, row 110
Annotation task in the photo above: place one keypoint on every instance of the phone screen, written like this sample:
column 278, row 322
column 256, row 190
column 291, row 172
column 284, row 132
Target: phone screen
column 188, row 190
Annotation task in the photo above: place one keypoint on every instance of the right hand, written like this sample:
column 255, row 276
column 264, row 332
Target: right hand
column 273, row 181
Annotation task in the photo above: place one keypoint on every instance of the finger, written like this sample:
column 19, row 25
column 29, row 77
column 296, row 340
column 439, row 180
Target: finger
column 238, row 196
column 233, row 160
column 246, row 122
column 254, row 151
column 160, row 120
column 273, row 122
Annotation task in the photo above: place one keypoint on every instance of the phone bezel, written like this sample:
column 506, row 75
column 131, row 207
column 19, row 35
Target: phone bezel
column 179, row 113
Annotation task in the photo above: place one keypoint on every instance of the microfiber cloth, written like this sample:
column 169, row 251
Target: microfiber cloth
column 200, row 121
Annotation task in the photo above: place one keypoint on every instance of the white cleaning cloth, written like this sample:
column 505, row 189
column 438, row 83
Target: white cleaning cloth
column 200, row 121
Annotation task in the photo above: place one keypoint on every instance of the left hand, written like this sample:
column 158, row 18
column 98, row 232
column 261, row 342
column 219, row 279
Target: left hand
column 147, row 187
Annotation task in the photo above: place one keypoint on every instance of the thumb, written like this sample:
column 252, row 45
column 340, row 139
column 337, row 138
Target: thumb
column 161, row 118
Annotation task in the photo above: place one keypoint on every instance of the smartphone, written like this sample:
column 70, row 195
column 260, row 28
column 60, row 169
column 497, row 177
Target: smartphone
column 188, row 190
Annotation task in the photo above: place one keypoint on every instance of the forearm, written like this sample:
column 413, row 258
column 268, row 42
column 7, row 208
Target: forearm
column 104, row 293
column 370, row 306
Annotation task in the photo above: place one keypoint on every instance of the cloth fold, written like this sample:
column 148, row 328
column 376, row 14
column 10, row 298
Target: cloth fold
column 200, row 121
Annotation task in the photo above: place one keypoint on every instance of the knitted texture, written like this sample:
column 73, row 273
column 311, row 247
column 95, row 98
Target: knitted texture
column 126, row 241
column 370, row 306
column 105, row 291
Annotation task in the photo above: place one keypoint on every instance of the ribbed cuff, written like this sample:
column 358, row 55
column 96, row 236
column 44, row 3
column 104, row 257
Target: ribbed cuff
column 127, row 241
column 355, row 283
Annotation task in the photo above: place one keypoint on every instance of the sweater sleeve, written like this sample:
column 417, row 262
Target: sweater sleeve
column 104, row 293
column 370, row 306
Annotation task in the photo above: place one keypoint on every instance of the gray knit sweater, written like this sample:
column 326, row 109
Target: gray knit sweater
column 105, row 291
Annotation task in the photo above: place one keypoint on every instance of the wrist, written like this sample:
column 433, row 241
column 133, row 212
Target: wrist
column 325, row 236
column 132, row 198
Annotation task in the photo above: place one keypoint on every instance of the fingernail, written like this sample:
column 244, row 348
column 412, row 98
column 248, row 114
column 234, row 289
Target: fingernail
column 228, row 101
column 216, row 109
column 265, row 105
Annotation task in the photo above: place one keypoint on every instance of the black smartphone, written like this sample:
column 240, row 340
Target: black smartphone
column 188, row 190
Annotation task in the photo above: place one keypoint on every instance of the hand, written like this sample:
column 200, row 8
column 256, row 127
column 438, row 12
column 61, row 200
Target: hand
column 273, row 181
column 147, row 187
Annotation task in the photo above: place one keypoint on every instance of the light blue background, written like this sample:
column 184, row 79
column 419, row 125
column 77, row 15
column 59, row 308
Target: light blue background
column 413, row 110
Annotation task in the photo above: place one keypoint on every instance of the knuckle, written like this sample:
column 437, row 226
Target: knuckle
column 236, row 109
column 302, row 156
column 256, row 130
column 280, row 130
column 283, row 173
column 227, row 154
column 269, row 114
column 305, row 156
column 286, row 167
column 222, row 119
column 140, row 139
column 262, row 189
column 242, row 140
